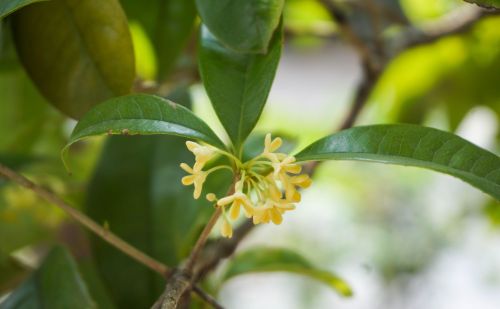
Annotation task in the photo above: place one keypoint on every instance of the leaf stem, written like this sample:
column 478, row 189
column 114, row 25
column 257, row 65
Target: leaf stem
column 100, row 231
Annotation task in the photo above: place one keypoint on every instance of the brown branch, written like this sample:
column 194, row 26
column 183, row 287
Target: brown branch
column 184, row 279
column 338, row 15
column 220, row 249
column 456, row 22
column 105, row 234
column 368, row 82
column 177, row 284
column 207, row 298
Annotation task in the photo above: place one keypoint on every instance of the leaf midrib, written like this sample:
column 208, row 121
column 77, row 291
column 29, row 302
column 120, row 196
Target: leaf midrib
column 348, row 156
column 138, row 119
column 84, row 46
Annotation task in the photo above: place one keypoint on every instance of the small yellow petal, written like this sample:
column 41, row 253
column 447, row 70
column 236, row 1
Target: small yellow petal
column 296, row 197
column 188, row 180
column 289, row 190
column 198, row 184
column 267, row 142
column 187, row 168
column 197, row 192
column 266, row 217
column 276, row 216
column 293, row 168
column 226, row 229
column 274, row 193
column 285, row 206
column 198, row 166
column 226, row 200
column 256, row 219
column 192, row 145
column 302, row 181
column 234, row 212
column 275, row 144
column 249, row 210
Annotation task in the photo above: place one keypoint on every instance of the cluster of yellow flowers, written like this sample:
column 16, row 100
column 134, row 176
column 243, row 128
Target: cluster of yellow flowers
column 267, row 185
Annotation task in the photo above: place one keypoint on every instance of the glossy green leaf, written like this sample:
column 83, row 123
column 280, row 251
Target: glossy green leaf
column 273, row 260
column 486, row 3
column 142, row 114
column 238, row 84
column 167, row 23
column 242, row 25
column 87, row 51
column 413, row 146
column 8, row 7
column 56, row 284
column 161, row 216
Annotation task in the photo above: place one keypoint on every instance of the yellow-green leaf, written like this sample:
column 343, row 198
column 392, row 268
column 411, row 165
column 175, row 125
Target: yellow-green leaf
column 77, row 52
column 283, row 260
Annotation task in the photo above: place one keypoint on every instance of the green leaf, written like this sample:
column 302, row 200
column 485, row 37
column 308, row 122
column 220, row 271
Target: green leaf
column 413, row 146
column 238, row 84
column 167, row 23
column 242, row 25
column 438, row 81
column 486, row 3
column 8, row 7
column 145, row 115
column 56, row 284
column 87, row 51
column 272, row 260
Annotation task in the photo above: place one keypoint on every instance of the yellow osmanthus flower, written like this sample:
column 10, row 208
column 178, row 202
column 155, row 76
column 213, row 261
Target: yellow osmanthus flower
column 203, row 154
column 237, row 199
column 197, row 178
column 267, row 186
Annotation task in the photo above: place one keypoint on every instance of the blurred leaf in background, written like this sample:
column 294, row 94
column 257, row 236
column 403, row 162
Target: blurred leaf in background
column 56, row 284
column 262, row 259
column 166, row 25
column 457, row 73
column 87, row 51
